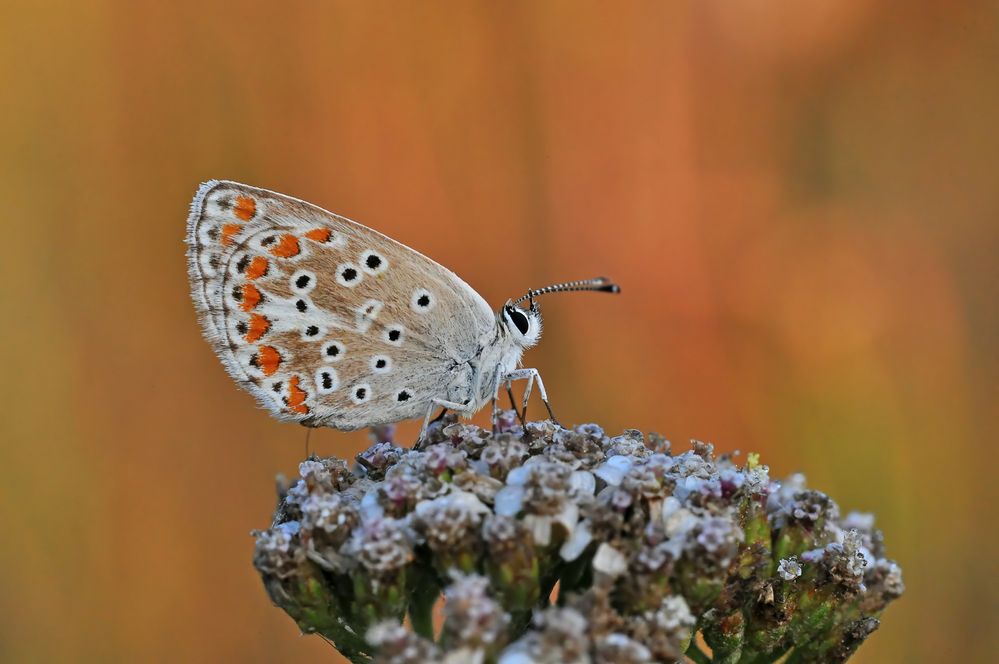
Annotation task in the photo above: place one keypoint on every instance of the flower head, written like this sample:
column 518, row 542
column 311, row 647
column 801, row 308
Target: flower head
column 645, row 545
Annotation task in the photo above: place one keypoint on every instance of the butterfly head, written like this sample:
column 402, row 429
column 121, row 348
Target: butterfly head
column 524, row 325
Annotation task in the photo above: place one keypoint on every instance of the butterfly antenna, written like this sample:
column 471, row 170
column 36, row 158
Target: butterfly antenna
column 600, row 285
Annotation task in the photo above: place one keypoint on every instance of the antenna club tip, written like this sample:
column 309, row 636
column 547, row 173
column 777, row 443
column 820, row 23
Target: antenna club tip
column 606, row 285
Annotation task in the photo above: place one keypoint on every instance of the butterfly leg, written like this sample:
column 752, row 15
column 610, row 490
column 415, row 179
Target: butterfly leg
column 532, row 375
column 441, row 403
column 496, row 388
column 440, row 416
column 500, row 379
column 527, row 393
column 513, row 402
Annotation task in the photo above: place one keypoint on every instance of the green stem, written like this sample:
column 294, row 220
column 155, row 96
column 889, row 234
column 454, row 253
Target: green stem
column 424, row 591
column 697, row 654
column 347, row 642
column 519, row 622
column 421, row 616
column 358, row 659
column 797, row 657
column 575, row 575
column 750, row 657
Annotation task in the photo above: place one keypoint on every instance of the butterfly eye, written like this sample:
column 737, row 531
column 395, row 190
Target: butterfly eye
column 519, row 319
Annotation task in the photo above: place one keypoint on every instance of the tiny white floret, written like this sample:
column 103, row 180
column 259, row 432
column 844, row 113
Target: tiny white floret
column 614, row 469
column 609, row 560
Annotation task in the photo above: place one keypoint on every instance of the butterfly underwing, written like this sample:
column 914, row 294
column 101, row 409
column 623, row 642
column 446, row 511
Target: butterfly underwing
column 330, row 323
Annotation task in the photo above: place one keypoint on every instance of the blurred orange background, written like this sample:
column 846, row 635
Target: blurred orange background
column 798, row 199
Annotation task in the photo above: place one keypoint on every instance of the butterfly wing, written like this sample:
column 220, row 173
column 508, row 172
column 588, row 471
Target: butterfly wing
column 323, row 320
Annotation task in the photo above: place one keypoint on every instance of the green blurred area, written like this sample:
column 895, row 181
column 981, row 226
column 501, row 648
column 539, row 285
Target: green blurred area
column 799, row 200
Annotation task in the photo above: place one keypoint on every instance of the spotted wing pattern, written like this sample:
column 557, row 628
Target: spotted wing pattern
column 323, row 320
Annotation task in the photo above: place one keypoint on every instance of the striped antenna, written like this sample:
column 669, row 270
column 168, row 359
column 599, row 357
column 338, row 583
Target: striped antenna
column 600, row 284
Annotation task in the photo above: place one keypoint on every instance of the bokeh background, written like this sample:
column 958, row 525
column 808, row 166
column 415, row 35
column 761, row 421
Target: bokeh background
column 799, row 200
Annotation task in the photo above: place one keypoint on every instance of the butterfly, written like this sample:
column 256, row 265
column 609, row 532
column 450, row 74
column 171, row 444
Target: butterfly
column 330, row 323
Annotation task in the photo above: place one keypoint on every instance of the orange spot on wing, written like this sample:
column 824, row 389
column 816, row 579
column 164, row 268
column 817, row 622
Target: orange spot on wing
column 257, row 268
column 319, row 235
column 258, row 328
column 296, row 397
column 268, row 359
column 251, row 297
column 229, row 232
column 245, row 207
column 286, row 247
